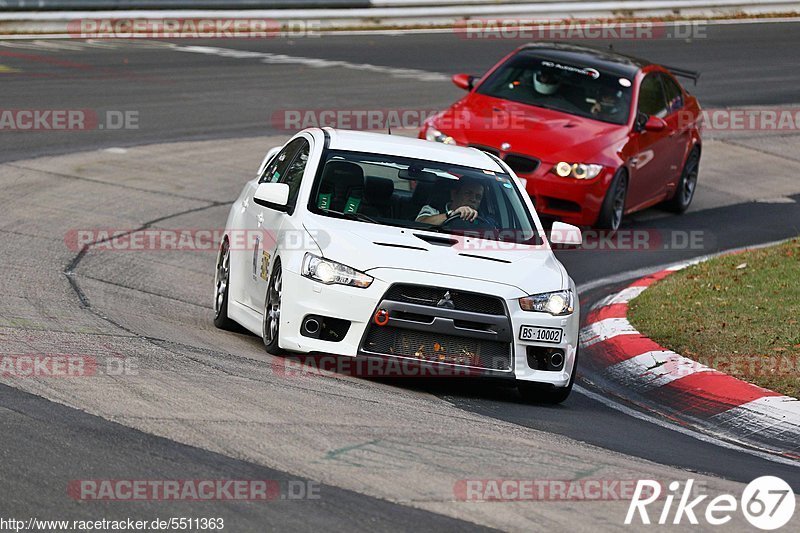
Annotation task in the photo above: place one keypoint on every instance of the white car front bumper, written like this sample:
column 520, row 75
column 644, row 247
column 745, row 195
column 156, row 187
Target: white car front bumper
column 303, row 297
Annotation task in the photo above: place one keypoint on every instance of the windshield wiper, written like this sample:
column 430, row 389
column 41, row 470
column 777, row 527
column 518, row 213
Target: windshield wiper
column 352, row 216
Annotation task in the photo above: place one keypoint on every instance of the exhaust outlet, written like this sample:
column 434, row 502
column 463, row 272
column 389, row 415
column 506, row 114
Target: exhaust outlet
column 557, row 360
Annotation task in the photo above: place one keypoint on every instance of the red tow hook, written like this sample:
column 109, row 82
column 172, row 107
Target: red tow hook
column 381, row 317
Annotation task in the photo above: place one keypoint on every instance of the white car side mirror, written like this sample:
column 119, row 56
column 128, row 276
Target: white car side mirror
column 274, row 195
column 565, row 234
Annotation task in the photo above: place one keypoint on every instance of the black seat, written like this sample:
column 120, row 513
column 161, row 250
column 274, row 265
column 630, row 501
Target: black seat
column 423, row 191
column 378, row 197
column 342, row 182
column 436, row 195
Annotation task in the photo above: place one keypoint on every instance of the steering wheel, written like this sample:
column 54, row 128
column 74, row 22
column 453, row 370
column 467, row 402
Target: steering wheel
column 479, row 221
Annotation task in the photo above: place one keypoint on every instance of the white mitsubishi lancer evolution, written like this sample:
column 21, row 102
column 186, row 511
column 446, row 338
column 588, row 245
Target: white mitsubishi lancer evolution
column 383, row 247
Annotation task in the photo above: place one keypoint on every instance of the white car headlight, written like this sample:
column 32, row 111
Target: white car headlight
column 331, row 272
column 556, row 303
column 580, row 171
column 432, row 134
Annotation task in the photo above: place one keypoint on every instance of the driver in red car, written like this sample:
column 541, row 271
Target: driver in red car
column 465, row 201
column 608, row 106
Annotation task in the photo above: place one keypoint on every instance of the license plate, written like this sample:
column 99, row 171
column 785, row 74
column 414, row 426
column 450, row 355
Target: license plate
column 537, row 334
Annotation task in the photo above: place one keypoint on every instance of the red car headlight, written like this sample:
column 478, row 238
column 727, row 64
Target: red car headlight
column 432, row 134
column 580, row 171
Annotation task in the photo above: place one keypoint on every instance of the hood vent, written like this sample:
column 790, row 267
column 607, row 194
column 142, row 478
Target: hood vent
column 435, row 239
column 486, row 258
column 406, row 246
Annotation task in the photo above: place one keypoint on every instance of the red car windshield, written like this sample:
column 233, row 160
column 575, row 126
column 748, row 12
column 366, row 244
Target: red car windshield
column 573, row 89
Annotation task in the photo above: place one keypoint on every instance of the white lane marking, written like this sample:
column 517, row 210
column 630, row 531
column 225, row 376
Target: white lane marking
column 116, row 150
column 283, row 59
column 622, row 297
column 683, row 430
column 60, row 45
column 654, row 369
column 605, row 329
column 777, row 200
column 775, row 417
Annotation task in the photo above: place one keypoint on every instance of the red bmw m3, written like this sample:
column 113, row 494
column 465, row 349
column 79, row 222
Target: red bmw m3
column 594, row 134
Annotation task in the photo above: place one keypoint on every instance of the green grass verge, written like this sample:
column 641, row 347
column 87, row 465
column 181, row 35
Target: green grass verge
column 738, row 313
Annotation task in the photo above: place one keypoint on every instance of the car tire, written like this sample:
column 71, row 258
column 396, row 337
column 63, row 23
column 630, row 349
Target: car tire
column 222, row 278
column 687, row 185
column 547, row 394
column 270, row 323
column 613, row 208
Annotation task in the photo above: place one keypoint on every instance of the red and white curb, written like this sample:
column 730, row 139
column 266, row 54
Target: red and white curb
column 689, row 391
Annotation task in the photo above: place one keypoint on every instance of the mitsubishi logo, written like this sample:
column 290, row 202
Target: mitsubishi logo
column 446, row 302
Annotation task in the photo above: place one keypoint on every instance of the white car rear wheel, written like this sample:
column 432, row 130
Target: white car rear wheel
column 222, row 277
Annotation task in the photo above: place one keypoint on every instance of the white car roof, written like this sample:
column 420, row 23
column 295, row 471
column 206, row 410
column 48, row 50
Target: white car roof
column 382, row 143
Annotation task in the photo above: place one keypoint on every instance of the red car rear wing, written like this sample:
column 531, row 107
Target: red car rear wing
column 684, row 73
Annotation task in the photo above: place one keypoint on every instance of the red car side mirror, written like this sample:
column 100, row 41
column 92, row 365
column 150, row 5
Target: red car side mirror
column 463, row 81
column 655, row 124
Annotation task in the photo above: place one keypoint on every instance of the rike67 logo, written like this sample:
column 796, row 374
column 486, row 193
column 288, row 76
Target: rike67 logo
column 767, row 503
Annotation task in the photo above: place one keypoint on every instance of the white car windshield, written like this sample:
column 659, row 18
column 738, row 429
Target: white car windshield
column 405, row 192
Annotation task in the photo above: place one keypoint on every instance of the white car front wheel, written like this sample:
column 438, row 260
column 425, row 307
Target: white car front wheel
column 272, row 311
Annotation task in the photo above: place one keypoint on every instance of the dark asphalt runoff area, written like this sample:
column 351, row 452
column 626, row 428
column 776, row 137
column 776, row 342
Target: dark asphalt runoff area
column 181, row 95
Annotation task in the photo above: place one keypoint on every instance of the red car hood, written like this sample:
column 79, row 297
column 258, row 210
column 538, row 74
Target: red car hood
column 543, row 133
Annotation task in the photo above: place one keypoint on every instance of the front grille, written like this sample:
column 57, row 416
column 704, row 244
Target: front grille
column 521, row 164
column 438, row 348
column 430, row 296
column 558, row 204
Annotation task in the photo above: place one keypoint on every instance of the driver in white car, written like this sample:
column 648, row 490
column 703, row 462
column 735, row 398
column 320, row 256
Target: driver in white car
column 465, row 201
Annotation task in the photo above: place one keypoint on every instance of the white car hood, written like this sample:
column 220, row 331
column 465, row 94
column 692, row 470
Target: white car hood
column 366, row 247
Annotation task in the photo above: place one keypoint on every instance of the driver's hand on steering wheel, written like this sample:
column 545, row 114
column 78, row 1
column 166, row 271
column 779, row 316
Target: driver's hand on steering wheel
column 465, row 212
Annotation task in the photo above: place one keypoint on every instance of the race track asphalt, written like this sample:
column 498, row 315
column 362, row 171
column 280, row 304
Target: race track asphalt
column 56, row 433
